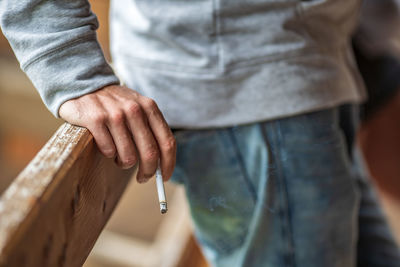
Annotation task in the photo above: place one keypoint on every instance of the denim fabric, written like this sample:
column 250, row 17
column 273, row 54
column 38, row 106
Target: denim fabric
column 281, row 193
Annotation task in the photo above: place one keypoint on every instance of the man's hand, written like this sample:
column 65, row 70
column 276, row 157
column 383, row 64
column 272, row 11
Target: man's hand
column 124, row 122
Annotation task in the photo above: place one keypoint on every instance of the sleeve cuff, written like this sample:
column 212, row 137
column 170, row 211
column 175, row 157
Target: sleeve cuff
column 70, row 72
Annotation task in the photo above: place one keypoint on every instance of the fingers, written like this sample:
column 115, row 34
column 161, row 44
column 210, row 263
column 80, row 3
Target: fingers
column 163, row 134
column 126, row 125
column 122, row 139
column 103, row 140
column 145, row 142
column 72, row 111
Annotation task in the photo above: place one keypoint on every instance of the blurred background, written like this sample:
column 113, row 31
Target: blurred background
column 136, row 233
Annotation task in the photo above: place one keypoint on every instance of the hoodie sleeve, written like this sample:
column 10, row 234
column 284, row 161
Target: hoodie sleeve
column 56, row 45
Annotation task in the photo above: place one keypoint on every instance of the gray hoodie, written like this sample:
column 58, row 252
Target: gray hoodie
column 207, row 63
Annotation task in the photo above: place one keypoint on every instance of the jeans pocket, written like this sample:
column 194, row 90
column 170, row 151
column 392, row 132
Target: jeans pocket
column 220, row 201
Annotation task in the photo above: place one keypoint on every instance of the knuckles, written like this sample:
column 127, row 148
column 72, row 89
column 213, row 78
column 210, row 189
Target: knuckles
column 170, row 145
column 133, row 110
column 117, row 117
column 149, row 104
column 99, row 118
column 150, row 155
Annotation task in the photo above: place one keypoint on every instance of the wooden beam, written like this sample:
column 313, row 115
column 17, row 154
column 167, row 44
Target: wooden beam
column 53, row 212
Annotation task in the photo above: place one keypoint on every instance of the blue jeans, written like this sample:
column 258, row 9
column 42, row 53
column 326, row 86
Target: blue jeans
column 282, row 193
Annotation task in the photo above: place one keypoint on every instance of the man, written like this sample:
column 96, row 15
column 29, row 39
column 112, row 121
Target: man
column 252, row 89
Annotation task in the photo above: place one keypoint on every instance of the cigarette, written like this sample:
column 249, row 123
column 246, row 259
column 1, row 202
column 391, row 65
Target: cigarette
column 161, row 191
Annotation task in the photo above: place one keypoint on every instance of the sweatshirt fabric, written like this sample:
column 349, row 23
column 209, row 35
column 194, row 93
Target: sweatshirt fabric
column 207, row 63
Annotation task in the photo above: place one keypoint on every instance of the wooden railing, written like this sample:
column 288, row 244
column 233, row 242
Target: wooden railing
column 53, row 212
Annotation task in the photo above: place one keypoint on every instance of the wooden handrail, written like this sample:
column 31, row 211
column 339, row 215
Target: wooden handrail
column 53, row 212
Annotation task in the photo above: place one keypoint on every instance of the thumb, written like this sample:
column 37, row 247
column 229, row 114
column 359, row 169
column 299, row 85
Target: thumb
column 68, row 111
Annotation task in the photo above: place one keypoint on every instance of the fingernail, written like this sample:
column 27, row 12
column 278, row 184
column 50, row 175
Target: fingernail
column 143, row 180
column 125, row 167
column 147, row 177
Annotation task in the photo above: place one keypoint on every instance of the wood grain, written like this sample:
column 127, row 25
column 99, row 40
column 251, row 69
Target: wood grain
column 53, row 212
